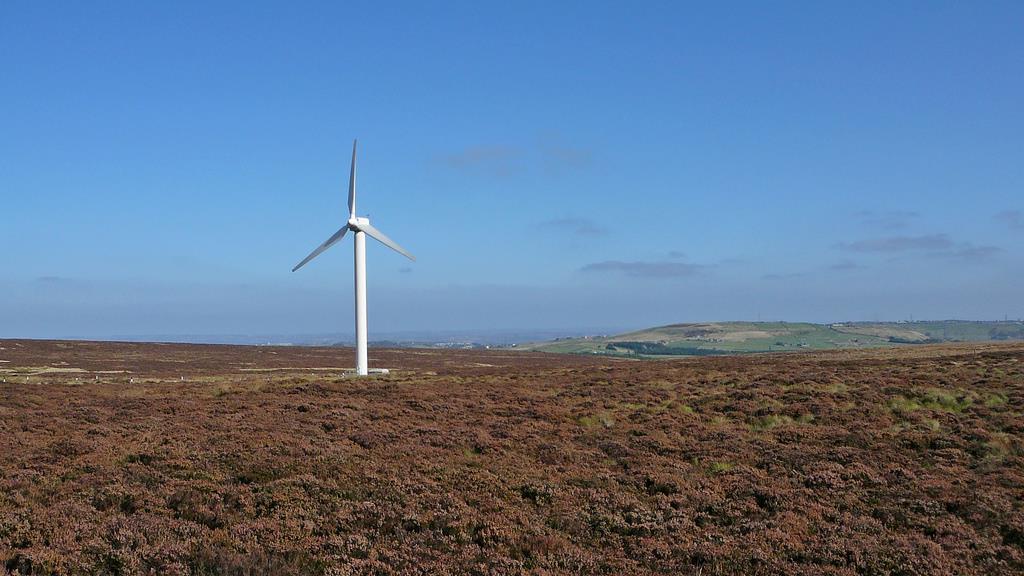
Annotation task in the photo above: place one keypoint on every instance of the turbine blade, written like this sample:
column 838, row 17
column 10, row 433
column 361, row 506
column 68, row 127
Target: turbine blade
column 334, row 239
column 352, row 184
column 380, row 237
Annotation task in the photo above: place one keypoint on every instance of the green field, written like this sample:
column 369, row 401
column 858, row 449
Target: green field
column 747, row 337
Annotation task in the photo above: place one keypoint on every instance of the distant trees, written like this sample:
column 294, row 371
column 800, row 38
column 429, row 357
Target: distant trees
column 1007, row 332
column 659, row 349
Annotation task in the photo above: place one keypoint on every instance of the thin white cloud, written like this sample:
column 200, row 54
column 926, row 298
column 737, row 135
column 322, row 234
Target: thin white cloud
column 931, row 245
column 846, row 264
column 899, row 244
column 640, row 269
column 496, row 160
column 504, row 161
column 886, row 219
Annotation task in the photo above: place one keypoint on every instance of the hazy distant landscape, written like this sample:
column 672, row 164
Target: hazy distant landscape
column 404, row 338
column 715, row 338
column 685, row 339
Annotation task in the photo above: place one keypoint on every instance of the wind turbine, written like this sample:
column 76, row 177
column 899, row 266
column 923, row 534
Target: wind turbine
column 361, row 227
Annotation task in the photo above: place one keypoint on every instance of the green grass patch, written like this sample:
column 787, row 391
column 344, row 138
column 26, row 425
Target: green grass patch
column 903, row 404
column 660, row 407
column 836, row 388
column 933, row 399
column 770, row 421
column 472, row 456
column 222, row 390
column 946, row 401
column 593, row 421
column 720, row 467
column 995, row 399
column 1001, row 447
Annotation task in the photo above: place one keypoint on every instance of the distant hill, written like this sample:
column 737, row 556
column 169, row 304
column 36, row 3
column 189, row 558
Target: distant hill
column 705, row 339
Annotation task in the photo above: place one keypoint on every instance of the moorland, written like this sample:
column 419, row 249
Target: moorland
column 120, row 458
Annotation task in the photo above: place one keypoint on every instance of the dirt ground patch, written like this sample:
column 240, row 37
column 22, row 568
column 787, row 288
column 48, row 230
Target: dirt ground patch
column 186, row 459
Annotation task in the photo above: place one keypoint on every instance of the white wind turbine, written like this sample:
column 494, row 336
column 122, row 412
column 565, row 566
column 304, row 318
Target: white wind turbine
column 361, row 227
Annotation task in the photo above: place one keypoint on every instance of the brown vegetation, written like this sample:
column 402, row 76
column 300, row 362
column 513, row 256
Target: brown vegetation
column 178, row 459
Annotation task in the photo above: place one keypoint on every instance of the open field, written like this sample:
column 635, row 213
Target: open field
column 187, row 459
column 711, row 338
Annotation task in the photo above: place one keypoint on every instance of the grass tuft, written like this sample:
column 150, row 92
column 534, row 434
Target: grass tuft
column 770, row 421
column 720, row 467
column 603, row 420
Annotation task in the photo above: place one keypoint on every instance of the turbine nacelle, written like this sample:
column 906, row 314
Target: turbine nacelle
column 355, row 224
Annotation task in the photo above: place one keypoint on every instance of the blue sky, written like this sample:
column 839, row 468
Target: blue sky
column 552, row 165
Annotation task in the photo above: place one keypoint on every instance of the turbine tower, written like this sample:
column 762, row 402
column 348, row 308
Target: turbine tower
column 361, row 227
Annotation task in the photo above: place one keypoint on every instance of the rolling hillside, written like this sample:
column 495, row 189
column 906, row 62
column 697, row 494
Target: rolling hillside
column 704, row 339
